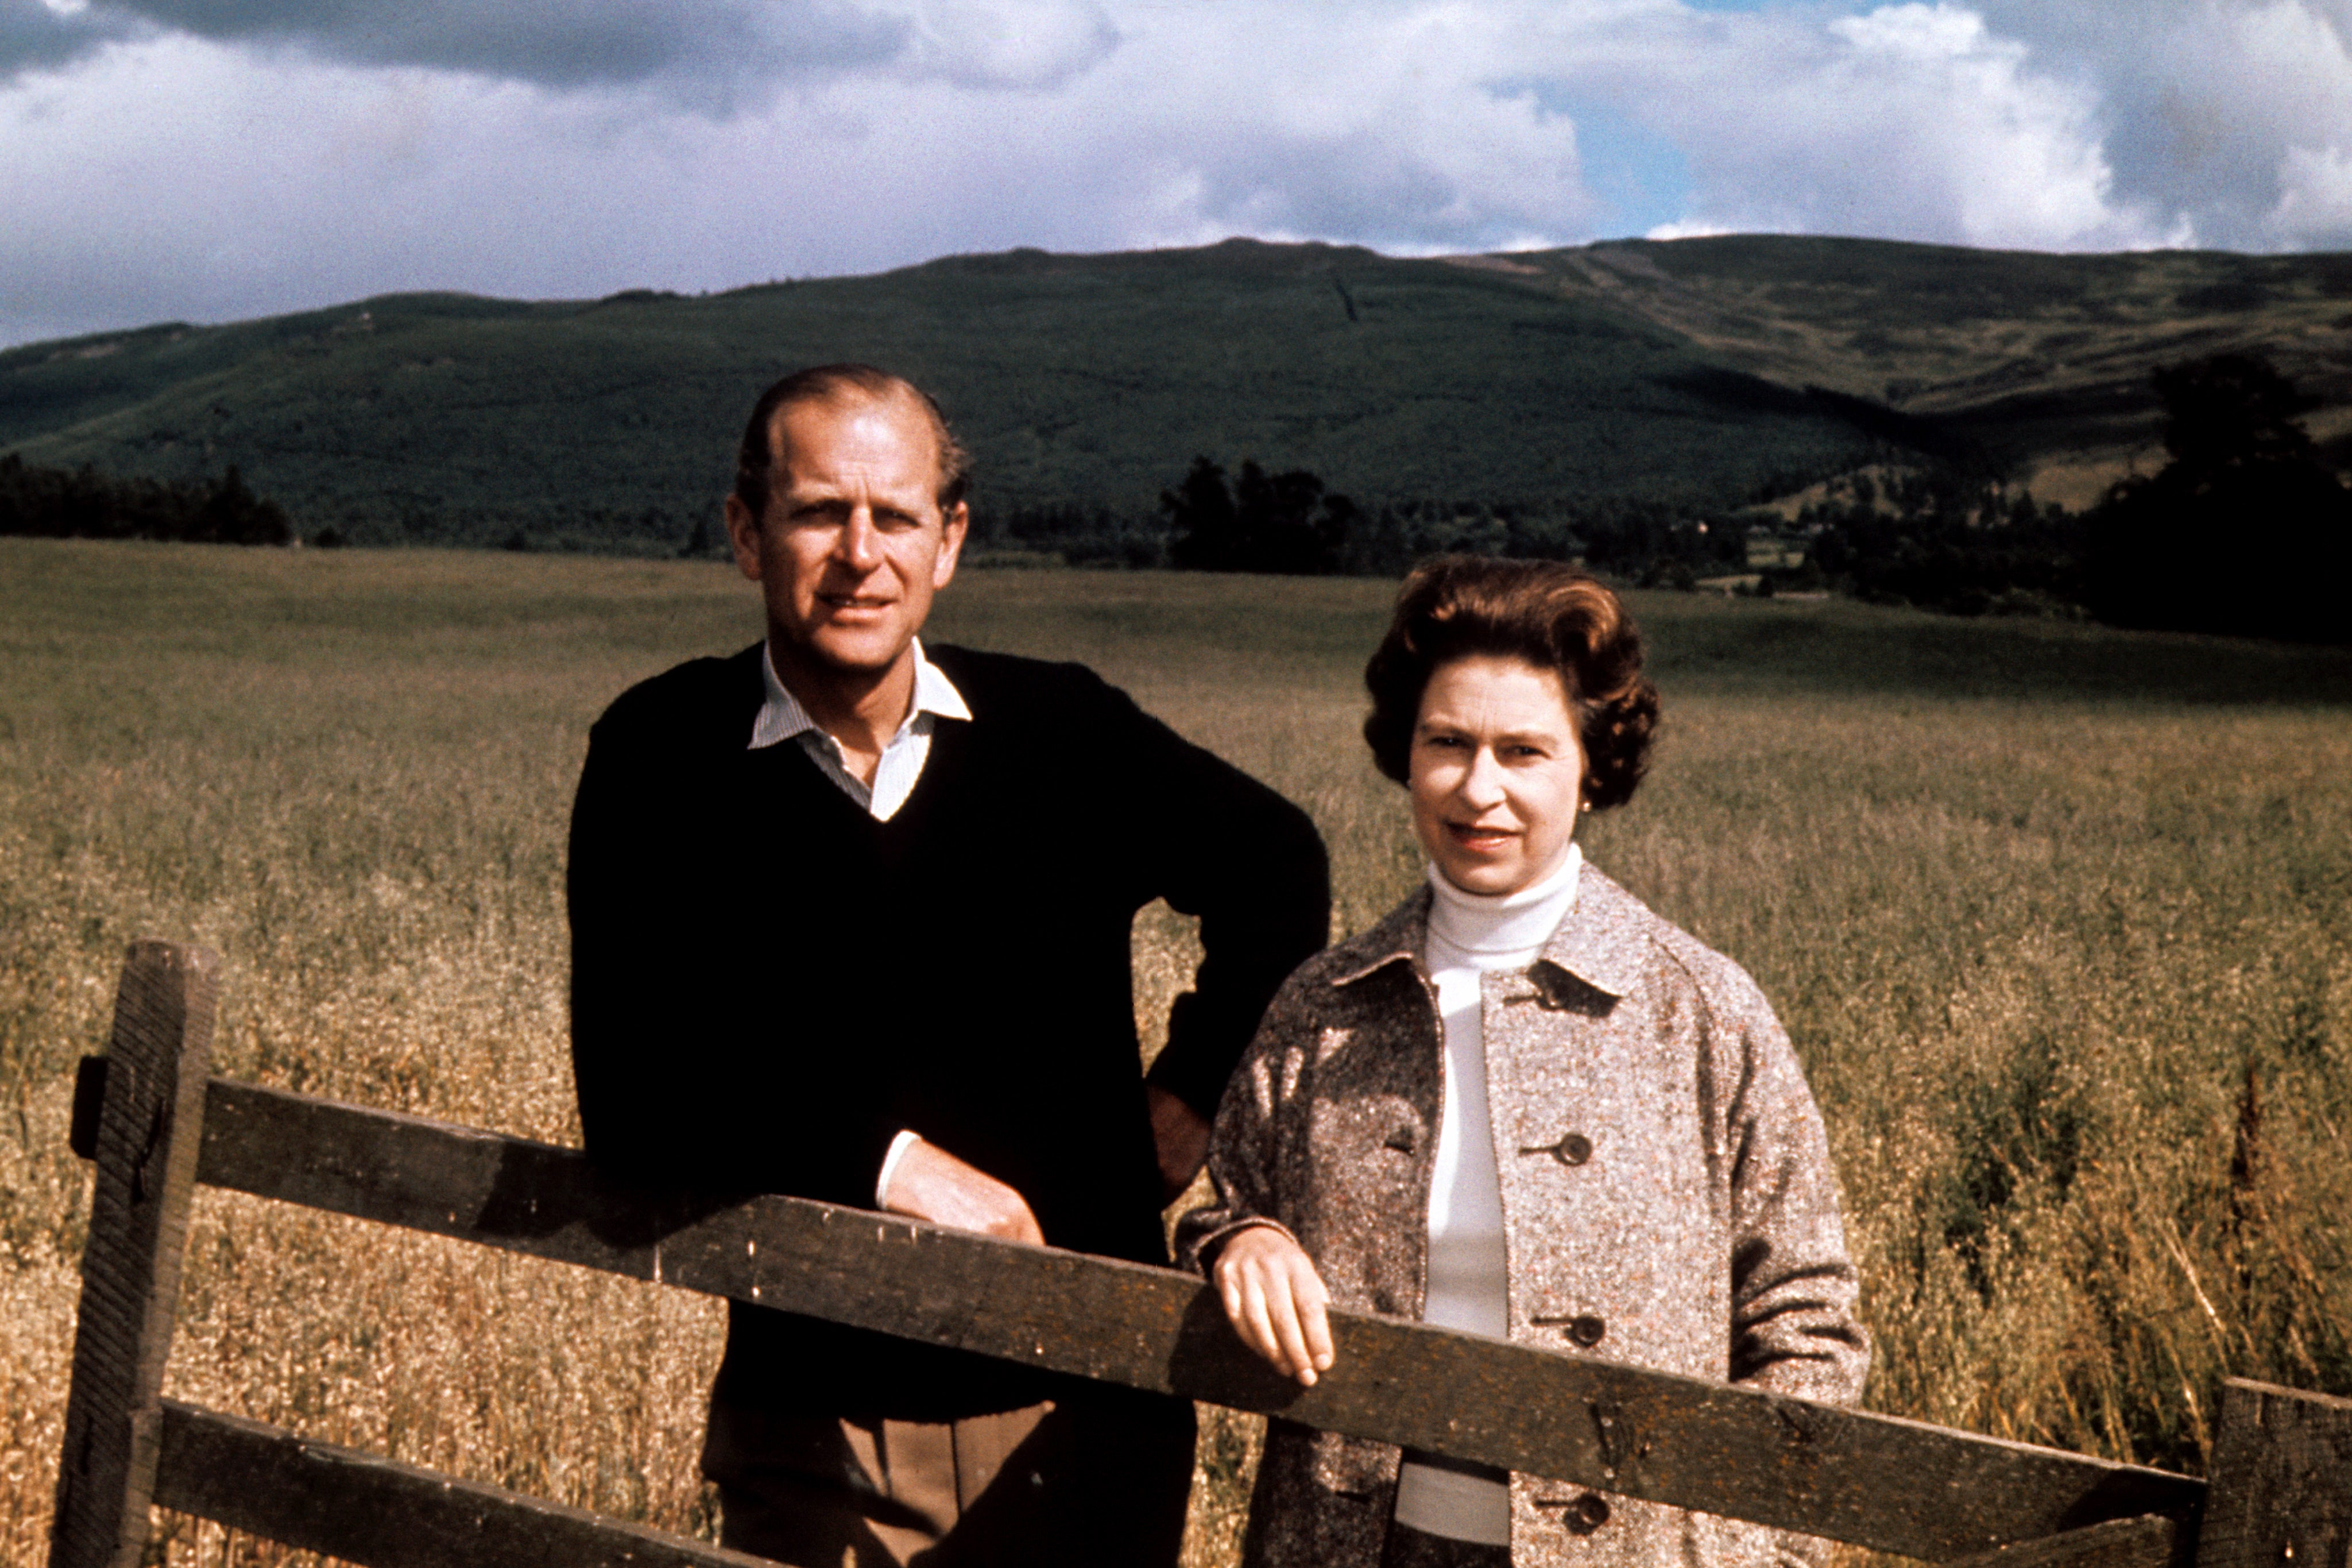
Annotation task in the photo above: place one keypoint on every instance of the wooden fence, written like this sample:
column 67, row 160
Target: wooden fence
column 157, row 1124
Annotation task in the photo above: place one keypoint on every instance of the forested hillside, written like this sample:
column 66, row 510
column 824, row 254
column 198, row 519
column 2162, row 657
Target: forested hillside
column 1505, row 401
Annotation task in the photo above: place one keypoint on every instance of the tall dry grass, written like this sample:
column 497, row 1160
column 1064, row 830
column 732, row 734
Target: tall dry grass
column 2061, row 920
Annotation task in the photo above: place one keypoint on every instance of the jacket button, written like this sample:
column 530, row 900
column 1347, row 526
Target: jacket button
column 1574, row 1149
column 1587, row 1331
column 1578, row 1515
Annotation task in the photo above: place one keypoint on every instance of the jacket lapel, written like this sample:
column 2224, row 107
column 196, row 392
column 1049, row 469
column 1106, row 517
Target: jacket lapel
column 1604, row 939
column 1399, row 937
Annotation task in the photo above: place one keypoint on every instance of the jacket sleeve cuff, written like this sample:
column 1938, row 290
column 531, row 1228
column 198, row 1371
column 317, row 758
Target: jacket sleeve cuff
column 1206, row 1250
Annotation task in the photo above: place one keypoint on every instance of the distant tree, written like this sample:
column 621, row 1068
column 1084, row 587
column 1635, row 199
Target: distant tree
column 1283, row 523
column 1341, row 521
column 1204, row 527
column 1377, row 546
column 233, row 515
column 2229, row 413
column 2246, row 531
column 1668, row 571
column 1081, row 534
column 1639, row 538
column 53, row 503
column 2023, row 560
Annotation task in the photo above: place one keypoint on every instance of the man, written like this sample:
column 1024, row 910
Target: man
column 850, row 921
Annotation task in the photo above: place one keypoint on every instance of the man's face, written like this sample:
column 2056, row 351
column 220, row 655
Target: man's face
column 853, row 544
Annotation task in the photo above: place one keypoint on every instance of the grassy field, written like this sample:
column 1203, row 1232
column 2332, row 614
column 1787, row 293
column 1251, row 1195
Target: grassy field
column 2061, row 920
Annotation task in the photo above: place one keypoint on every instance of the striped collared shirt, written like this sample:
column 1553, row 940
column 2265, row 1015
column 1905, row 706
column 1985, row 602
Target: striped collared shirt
column 783, row 718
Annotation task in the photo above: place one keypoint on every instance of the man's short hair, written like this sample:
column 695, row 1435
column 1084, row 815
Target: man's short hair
column 1542, row 612
column 755, row 459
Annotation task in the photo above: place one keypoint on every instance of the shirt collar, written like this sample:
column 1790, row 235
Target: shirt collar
column 934, row 693
column 782, row 716
column 1603, row 942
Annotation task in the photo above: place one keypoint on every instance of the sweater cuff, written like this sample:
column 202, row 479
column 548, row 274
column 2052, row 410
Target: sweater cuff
column 898, row 1147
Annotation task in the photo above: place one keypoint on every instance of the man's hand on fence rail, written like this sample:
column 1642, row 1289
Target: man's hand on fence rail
column 932, row 1184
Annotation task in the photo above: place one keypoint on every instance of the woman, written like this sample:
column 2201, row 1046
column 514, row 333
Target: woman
column 1521, row 1104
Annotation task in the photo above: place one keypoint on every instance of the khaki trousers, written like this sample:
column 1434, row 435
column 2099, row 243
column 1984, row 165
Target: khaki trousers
column 1101, row 1480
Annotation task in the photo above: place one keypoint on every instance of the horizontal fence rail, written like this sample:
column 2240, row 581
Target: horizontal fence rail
column 157, row 1125
column 365, row 1507
column 2150, row 1541
column 1873, row 1480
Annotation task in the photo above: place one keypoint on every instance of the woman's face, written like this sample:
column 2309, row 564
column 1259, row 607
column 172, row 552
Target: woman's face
column 1497, row 773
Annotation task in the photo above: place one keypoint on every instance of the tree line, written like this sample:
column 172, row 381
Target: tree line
column 2246, row 530
column 59, row 503
column 1290, row 522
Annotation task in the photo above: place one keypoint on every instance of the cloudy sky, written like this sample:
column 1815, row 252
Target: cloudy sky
column 207, row 160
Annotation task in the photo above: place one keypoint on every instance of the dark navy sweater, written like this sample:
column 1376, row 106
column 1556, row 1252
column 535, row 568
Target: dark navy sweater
column 768, row 983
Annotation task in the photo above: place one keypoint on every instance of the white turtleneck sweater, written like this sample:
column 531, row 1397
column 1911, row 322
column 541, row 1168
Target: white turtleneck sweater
column 1470, row 933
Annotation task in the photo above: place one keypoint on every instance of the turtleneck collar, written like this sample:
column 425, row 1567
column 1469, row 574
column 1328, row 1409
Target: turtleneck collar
column 1511, row 927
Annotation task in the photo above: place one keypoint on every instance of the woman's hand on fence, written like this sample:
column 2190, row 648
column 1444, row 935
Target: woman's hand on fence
column 1275, row 1302
column 930, row 1182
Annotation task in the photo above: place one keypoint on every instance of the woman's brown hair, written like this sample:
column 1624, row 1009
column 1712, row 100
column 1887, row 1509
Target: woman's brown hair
column 1545, row 613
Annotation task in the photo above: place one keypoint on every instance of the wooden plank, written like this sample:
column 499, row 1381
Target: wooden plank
column 2282, row 1479
column 2149, row 1542
column 364, row 1508
column 1875, row 1480
column 149, row 1117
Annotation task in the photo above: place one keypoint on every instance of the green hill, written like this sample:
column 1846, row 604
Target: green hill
column 2042, row 361
column 1676, row 373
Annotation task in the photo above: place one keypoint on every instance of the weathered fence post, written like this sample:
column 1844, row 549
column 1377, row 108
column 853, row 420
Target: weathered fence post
column 2281, row 1480
column 149, row 1124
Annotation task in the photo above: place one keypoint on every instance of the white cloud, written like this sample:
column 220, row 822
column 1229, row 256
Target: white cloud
column 2204, row 99
column 1913, row 121
column 304, row 151
column 2016, row 159
column 180, row 177
column 714, row 55
column 2314, row 204
column 1033, row 46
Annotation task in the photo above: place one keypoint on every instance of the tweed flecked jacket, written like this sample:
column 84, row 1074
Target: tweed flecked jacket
column 1667, row 1202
